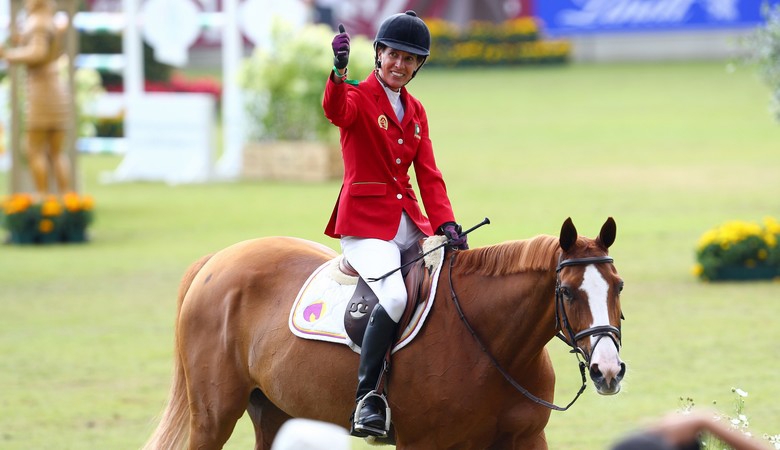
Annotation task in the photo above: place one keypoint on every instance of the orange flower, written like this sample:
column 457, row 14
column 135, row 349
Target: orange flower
column 72, row 202
column 17, row 203
column 46, row 226
column 51, row 207
column 87, row 203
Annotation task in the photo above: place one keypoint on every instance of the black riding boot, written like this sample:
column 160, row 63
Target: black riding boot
column 380, row 332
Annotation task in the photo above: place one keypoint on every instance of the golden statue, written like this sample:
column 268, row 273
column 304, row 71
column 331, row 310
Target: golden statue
column 48, row 100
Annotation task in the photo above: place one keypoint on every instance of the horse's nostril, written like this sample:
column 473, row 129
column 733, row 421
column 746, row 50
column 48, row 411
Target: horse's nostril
column 595, row 373
column 622, row 372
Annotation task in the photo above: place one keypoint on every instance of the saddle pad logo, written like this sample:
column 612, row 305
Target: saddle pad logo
column 313, row 312
column 318, row 312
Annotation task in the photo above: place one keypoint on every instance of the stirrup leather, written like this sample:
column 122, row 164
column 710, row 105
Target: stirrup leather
column 361, row 428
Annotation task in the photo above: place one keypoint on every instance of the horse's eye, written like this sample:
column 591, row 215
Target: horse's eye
column 620, row 287
column 566, row 292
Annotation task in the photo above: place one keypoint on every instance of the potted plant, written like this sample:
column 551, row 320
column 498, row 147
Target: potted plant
column 739, row 250
column 46, row 221
column 283, row 83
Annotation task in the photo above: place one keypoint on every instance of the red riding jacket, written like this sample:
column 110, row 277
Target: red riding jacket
column 377, row 152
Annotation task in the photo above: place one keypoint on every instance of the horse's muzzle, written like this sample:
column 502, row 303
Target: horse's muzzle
column 607, row 382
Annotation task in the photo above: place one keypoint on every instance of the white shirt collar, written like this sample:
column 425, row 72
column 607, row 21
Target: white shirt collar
column 395, row 102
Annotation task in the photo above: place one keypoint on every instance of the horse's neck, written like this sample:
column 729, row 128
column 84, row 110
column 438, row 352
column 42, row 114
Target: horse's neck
column 514, row 313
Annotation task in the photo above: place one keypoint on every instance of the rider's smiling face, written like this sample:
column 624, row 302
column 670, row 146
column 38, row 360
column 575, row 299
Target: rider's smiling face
column 396, row 67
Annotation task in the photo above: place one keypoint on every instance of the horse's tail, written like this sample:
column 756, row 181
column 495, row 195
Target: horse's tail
column 173, row 430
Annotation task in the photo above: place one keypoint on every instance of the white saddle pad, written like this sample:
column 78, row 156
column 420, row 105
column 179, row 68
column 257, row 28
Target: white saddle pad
column 318, row 311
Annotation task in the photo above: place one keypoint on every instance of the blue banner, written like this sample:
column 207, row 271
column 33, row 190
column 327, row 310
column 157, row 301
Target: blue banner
column 571, row 17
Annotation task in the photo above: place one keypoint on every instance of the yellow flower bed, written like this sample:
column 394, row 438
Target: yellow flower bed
column 512, row 42
column 739, row 247
column 51, row 220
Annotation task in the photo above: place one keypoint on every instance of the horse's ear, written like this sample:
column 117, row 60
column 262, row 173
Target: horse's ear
column 568, row 235
column 608, row 233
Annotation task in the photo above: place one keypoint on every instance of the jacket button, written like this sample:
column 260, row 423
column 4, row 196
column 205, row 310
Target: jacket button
column 400, row 141
column 399, row 196
column 398, row 160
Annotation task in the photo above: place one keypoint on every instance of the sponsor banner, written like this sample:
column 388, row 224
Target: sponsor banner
column 571, row 17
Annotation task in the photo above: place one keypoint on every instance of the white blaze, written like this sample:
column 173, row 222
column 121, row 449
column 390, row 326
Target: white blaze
column 597, row 288
column 605, row 355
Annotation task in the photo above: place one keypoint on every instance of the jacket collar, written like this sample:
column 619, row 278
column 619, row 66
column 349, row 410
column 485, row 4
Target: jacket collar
column 378, row 91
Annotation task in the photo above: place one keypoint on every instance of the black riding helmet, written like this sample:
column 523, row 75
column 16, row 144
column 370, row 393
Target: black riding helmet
column 405, row 32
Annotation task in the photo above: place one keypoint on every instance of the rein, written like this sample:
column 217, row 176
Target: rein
column 593, row 331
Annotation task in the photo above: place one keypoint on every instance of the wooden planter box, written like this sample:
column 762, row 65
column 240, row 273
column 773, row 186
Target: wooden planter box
column 292, row 161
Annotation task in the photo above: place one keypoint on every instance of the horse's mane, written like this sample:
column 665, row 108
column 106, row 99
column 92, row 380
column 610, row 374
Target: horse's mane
column 538, row 253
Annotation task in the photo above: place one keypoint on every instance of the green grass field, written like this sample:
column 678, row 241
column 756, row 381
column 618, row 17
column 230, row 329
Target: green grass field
column 668, row 150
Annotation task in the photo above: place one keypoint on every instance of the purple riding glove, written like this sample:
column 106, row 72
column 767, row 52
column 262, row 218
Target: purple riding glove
column 340, row 46
column 453, row 232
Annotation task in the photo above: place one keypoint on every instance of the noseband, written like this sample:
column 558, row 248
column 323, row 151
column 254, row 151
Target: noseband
column 599, row 331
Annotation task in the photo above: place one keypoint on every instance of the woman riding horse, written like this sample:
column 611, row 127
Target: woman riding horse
column 384, row 131
column 482, row 346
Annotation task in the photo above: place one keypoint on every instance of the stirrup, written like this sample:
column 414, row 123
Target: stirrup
column 361, row 430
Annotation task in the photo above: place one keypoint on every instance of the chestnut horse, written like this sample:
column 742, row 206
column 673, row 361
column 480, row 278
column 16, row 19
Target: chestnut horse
column 478, row 376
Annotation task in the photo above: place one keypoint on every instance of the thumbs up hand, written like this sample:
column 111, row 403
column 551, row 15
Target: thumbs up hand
column 340, row 46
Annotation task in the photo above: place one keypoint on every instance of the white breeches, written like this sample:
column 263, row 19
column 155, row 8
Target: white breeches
column 373, row 258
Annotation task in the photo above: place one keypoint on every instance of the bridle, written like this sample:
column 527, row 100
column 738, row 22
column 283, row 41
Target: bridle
column 600, row 331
